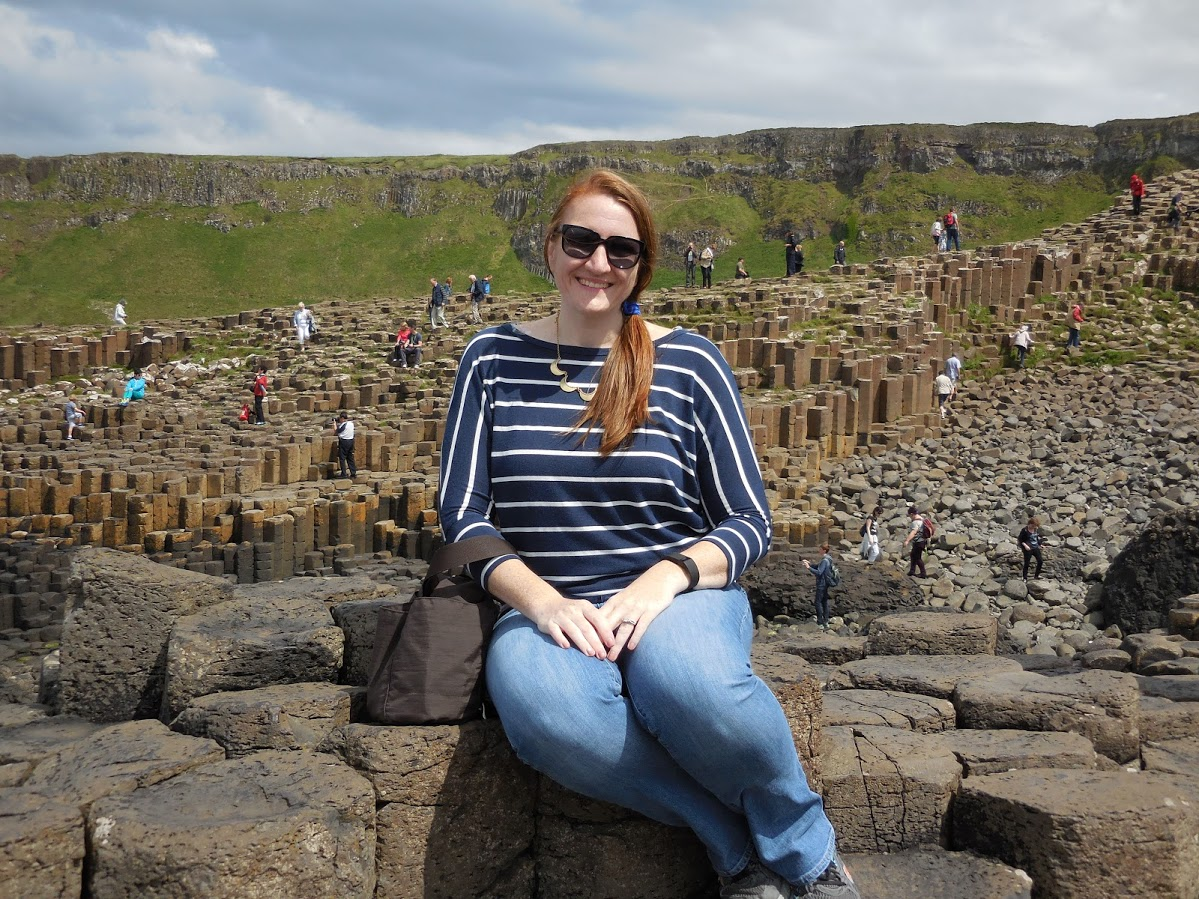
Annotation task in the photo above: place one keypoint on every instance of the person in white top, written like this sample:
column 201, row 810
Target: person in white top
column 1023, row 342
column 302, row 319
column 344, row 429
column 944, row 390
column 118, row 314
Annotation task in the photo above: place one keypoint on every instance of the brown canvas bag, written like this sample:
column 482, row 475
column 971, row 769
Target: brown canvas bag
column 427, row 661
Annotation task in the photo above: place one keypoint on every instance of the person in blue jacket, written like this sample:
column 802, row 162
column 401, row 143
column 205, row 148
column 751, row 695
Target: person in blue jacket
column 821, row 570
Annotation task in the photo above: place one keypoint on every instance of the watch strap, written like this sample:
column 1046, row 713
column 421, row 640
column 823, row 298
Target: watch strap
column 687, row 564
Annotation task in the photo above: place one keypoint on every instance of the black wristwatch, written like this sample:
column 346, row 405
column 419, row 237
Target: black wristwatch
column 687, row 564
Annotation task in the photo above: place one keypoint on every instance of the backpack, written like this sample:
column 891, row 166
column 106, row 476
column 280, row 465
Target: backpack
column 862, row 530
column 928, row 530
column 833, row 578
column 950, row 220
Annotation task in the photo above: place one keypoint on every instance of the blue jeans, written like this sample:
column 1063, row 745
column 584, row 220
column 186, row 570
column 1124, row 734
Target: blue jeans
column 1073, row 338
column 680, row 730
column 822, row 603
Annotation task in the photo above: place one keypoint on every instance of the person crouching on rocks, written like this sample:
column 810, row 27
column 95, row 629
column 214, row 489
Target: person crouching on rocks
column 821, row 570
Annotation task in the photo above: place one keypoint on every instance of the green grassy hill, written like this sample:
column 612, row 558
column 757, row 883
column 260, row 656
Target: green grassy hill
column 188, row 236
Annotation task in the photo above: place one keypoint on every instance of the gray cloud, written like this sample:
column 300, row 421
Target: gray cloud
column 370, row 77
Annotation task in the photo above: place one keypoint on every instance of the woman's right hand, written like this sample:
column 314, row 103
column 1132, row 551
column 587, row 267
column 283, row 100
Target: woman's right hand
column 574, row 622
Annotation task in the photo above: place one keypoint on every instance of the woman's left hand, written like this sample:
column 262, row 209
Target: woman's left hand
column 631, row 611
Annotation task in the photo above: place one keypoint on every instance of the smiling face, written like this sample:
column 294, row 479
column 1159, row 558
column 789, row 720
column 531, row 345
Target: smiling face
column 592, row 286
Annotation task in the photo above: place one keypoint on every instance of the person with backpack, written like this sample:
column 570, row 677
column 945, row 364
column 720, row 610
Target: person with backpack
column 920, row 534
column 476, row 298
column 827, row 576
column 259, row 390
column 951, row 229
column 870, row 550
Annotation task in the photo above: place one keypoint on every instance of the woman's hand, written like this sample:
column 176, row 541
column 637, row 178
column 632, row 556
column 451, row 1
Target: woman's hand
column 574, row 622
column 630, row 612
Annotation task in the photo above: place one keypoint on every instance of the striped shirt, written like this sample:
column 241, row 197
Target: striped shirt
column 514, row 463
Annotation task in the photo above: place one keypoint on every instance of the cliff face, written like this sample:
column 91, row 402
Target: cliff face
column 841, row 156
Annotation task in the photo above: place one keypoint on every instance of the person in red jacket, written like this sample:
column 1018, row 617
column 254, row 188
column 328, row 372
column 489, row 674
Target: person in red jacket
column 1137, row 186
column 259, row 390
column 1074, row 322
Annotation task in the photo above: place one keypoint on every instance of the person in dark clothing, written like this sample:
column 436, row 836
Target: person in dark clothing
column 741, row 272
column 1030, row 541
column 839, row 254
column 344, row 429
column 821, row 570
column 918, row 536
column 799, row 259
column 690, row 257
column 789, row 246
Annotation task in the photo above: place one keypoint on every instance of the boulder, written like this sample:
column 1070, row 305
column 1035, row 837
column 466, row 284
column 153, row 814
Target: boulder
column 884, row 708
column 119, row 759
column 1101, row 705
column 823, row 649
column 1153, row 571
column 1164, row 719
column 935, row 873
column 1082, row 834
column 288, row 716
column 41, row 846
column 1179, row 756
column 456, row 813
column 994, row 751
column 34, row 741
column 928, row 675
column 797, row 689
column 1145, row 649
column 886, row 789
column 1178, row 687
column 933, row 633
column 332, row 591
column 269, row 824
column 248, row 643
column 118, row 621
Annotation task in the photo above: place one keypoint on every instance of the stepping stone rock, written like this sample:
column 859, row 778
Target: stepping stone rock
column 1172, row 756
column 935, row 873
column 1179, row 687
column 1101, row 705
column 933, row 633
column 329, row 590
column 1188, row 667
column 290, row 716
column 34, row 741
column 996, row 751
column 457, row 809
column 884, row 708
column 886, row 789
column 824, row 649
column 1107, row 660
column 41, row 847
column 248, row 643
column 1082, row 834
column 795, row 685
column 271, row 824
column 119, row 759
column 928, row 675
column 115, row 633
column 1163, row 719
column 357, row 621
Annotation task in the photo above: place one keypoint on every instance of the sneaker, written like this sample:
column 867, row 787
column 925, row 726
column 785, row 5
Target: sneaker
column 756, row 882
column 835, row 881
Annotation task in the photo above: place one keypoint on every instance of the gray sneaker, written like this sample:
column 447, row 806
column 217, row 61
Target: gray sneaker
column 835, row 881
column 756, row 882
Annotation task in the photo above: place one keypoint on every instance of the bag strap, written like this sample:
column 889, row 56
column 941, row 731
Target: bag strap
column 473, row 549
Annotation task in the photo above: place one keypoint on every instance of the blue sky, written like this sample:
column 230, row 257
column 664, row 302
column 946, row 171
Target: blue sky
column 396, row 77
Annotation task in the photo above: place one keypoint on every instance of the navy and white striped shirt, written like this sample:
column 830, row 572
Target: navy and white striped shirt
column 512, row 462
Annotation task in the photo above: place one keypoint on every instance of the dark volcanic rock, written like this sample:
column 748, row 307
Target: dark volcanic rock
column 779, row 585
column 1157, row 567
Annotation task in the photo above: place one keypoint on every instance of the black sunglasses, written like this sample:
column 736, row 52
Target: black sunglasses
column 579, row 243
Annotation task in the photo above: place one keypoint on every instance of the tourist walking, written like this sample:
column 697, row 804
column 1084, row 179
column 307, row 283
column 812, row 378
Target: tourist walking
column 258, row 389
column 953, row 368
column 301, row 320
column 943, row 388
column 118, row 314
column 919, row 535
column 438, row 301
column 952, row 223
column 1174, row 215
column 1137, row 188
column 706, row 259
column 839, row 253
column 1023, row 341
column 870, row 550
column 938, row 233
column 821, row 569
column 690, row 257
column 1074, row 320
column 789, row 248
column 622, row 668
column 343, row 427
column 476, row 299
column 1030, row 544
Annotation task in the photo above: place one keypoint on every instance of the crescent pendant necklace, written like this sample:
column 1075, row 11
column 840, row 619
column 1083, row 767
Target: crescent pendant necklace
column 585, row 393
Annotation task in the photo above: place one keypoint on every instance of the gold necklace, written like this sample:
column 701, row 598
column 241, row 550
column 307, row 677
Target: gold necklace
column 556, row 368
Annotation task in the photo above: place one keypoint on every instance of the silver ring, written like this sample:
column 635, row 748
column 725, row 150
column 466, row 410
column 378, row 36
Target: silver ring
column 629, row 621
